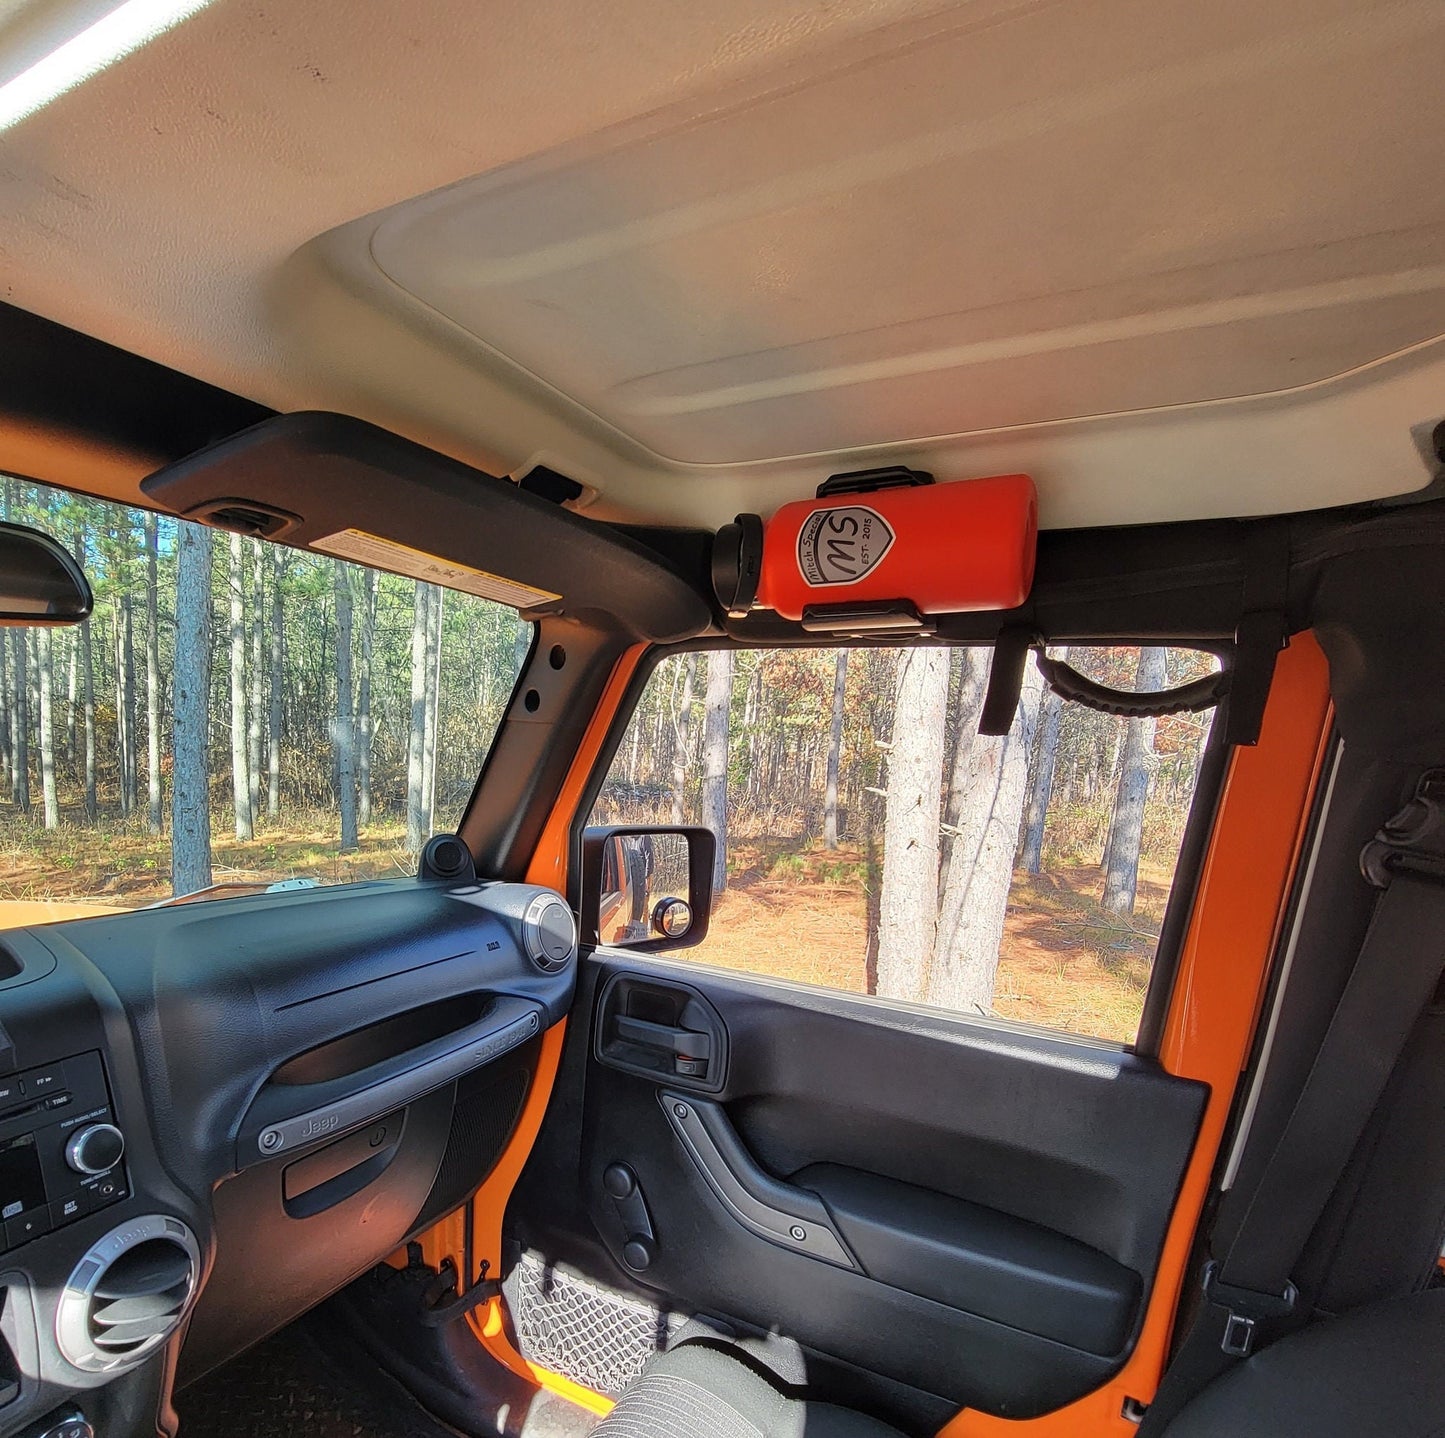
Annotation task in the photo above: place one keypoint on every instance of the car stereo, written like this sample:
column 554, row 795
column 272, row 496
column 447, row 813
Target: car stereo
column 60, row 1149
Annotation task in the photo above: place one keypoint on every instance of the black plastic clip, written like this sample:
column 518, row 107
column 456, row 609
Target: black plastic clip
column 1246, row 1308
column 437, row 1310
column 870, row 481
column 1413, row 842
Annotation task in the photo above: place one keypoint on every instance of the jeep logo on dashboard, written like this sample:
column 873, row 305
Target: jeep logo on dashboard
column 319, row 1124
column 840, row 546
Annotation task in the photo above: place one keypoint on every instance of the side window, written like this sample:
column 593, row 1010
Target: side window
column 873, row 841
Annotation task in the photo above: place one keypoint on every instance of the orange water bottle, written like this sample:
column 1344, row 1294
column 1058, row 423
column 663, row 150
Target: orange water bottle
column 880, row 549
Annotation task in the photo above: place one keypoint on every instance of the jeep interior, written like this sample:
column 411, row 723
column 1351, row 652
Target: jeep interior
column 821, row 629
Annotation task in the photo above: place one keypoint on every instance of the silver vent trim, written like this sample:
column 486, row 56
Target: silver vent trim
column 128, row 1294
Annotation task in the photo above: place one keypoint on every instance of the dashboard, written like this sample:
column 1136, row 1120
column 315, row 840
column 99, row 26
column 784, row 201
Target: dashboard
column 213, row 1116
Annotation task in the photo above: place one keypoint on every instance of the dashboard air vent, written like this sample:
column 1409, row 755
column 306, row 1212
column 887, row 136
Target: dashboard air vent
column 128, row 1294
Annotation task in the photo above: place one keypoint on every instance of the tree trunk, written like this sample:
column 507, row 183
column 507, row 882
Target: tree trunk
column 682, row 740
column 1041, row 781
column 119, row 690
column 363, row 706
column 258, row 673
column 153, row 675
column 835, row 750
column 1126, row 828
column 130, row 774
column 190, row 708
column 416, row 739
column 908, row 903
column 345, row 718
column 433, row 707
column 87, row 700
column 521, row 647
column 45, row 652
column 980, row 868
column 240, row 779
column 20, row 782
column 72, row 695
column 278, row 685
column 973, row 664
column 717, row 710
column 7, row 750
column 634, row 755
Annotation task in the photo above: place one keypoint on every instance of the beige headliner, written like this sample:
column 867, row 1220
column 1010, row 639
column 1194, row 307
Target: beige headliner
column 1176, row 260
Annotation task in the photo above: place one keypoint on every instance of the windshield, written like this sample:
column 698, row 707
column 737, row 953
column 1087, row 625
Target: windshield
column 235, row 715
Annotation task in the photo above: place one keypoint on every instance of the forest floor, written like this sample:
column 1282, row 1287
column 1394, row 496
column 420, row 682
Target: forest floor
column 1063, row 963
column 799, row 916
column 118, row 865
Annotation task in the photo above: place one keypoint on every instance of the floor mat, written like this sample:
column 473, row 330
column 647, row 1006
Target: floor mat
column 325, row 1377
column 288, row 1387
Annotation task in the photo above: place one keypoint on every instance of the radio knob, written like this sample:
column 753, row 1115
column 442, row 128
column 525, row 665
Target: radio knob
column 97, row 1148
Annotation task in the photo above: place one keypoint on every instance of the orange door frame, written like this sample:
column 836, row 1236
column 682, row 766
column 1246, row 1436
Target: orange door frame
column 1242, row 897
column 447, row 1239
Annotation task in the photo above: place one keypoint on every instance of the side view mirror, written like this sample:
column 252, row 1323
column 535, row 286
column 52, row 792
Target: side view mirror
column 39, row 582
column 646, row 889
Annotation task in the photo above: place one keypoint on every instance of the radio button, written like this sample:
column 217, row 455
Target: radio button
column 27, row 1226
column 41, row 1082
column 67, row 1209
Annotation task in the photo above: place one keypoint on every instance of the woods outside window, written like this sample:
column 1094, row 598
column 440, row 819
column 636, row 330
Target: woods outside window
column 873, row 841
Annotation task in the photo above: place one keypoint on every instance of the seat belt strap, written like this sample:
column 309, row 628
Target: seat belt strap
column 1394, row 978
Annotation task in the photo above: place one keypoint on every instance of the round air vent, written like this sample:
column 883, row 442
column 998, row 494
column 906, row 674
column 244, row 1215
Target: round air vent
column 128, row 1294
column 550, row 933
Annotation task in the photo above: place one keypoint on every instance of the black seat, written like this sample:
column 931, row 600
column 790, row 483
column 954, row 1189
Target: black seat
column 1380, row 1370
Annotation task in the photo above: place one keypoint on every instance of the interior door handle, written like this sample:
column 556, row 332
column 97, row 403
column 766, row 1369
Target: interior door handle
column 782, row 1213
column 681, row 1043
column 661, row 1029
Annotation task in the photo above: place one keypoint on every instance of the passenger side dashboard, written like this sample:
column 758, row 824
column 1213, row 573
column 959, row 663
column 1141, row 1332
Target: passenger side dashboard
column 273, row 1093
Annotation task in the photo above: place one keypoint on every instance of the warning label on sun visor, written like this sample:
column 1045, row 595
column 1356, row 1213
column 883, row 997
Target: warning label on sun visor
column 840, row 546
column 379, row 553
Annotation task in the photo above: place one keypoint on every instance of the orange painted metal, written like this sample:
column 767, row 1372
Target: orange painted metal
column 1243, row 895
column 447, row 1239
column 549, row 862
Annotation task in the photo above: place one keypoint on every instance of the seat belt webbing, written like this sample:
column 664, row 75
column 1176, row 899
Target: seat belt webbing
column 1394, row 978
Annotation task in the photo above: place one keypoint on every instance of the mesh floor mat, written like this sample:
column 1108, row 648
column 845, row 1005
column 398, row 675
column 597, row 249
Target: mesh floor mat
column 588, row 1334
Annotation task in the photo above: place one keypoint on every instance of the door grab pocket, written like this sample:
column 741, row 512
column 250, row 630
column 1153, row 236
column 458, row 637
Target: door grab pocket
column 779, row 1212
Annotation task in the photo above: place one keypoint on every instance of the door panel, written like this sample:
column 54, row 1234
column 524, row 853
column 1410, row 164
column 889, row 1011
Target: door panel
column 981, row 1207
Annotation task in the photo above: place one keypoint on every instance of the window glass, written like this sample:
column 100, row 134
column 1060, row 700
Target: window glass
column 873, row 841
column 233, row 716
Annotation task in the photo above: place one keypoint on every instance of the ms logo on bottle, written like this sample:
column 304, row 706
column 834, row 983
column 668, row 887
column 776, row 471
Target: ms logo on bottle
column 840, row 546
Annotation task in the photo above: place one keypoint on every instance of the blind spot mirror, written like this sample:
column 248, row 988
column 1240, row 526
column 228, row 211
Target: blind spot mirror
column 39, row 582
column 632, row 880
column 672, row 917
